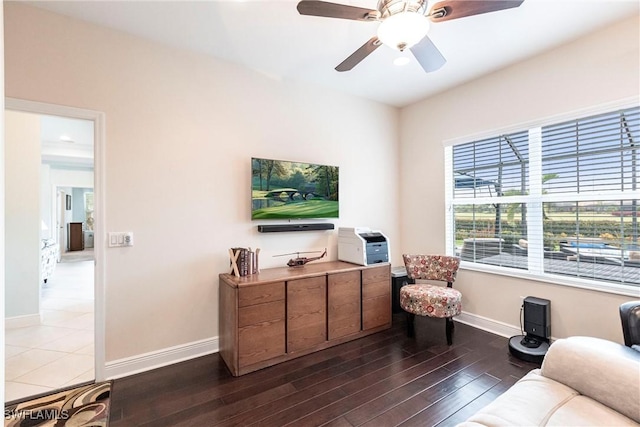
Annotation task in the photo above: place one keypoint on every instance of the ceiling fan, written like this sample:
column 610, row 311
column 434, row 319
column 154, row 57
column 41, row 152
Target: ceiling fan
column 403, row 24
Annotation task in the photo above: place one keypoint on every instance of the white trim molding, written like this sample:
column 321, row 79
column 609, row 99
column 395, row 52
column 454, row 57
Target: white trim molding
column 489, row 325
column 156, row 359
column 99, row 191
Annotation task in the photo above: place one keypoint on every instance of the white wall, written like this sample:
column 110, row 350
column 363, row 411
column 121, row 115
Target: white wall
column 77, row 204
column 180, row 131
column 71, row 178
column 71, row 181
column 26, row 207
column 597, row 69
column 22, row 214
column 51, row 178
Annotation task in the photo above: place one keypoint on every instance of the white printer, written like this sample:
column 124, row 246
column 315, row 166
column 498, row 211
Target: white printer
column 363, row 246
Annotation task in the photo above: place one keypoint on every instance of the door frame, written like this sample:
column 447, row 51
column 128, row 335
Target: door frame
column 99, row 140
column 61, row 236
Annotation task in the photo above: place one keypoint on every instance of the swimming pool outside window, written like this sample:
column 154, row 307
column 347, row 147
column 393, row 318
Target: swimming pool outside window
column 558, row 200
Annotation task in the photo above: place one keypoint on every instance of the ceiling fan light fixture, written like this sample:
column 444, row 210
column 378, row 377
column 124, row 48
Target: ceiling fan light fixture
column 403, row 30
column 401, row 61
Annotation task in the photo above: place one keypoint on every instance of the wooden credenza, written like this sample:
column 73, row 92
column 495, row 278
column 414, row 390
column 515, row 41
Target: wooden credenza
column 283, row 313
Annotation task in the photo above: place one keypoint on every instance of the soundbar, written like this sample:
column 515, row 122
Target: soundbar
column 294, row 227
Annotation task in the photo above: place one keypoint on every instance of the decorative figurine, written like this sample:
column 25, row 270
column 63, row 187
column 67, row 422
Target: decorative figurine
column 299, row 261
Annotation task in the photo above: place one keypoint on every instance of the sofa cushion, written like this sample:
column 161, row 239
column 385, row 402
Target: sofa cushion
column 602, row 370
column 584, row 411
column 536, row 400
column 530, row 401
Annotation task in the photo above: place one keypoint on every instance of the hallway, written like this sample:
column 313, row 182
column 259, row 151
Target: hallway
column 60, row 351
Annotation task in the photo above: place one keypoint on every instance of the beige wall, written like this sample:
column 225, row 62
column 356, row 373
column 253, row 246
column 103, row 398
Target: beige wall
column 595, row 70
column 180, row 131
column 22, row 214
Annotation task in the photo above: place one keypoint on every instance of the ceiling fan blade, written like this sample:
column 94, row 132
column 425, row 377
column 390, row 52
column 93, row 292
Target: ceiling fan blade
column 454, row 9
column 359, row 54
column 333, row 10
column 428, row 55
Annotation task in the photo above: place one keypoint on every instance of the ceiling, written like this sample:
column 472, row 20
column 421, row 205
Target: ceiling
column 66, row 142
column 273, row 39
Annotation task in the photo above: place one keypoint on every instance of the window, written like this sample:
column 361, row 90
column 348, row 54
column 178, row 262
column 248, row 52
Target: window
column 552, row 201
column 88, row 210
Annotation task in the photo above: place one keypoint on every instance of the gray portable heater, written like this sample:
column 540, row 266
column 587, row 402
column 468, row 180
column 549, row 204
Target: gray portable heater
column 533, row 346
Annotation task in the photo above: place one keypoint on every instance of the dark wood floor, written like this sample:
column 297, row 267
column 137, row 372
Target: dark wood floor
column 385, row 379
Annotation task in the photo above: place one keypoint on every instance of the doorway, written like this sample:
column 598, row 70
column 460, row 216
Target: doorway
column 54, row 333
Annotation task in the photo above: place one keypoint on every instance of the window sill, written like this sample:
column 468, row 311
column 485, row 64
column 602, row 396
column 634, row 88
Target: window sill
column 626, row 290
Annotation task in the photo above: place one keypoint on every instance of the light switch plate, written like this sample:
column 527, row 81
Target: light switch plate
column 118, row 239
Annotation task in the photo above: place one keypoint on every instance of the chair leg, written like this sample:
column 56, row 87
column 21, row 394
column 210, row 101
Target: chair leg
column 449, row 330
column 410, row 322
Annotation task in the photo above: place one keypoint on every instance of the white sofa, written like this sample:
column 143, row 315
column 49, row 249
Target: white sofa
column 583, row 381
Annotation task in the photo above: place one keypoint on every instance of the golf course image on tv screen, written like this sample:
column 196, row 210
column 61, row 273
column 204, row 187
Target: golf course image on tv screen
column 293, row 190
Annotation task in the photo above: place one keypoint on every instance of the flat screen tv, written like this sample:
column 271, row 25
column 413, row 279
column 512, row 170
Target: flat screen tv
column 282, row 189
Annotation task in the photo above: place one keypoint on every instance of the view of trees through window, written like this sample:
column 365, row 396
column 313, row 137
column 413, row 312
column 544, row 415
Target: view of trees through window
column 559, row 199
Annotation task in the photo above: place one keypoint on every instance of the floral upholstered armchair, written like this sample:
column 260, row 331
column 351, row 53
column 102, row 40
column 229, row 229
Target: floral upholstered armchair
column 431, row 300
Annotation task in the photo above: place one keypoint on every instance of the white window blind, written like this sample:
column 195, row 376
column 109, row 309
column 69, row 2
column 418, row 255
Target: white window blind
column 556, row 200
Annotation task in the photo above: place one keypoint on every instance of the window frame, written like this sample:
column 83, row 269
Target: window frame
column 534, row 201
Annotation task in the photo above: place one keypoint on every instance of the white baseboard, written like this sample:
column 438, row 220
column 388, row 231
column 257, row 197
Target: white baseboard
column 489, row 325
column 493, row 326
column 156, row 359
column 168, row 356
column 22, row 321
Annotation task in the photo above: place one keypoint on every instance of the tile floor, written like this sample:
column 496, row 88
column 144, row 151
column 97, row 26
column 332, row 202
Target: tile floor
column 58, row 352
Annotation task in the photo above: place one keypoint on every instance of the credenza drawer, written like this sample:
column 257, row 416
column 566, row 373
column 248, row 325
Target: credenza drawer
column 259, row 313
column 376, row 289
column 260, row 342
column 306, row 313
column 376, row 312
column 344, row 298
column 260, row 294
column 376, row 274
